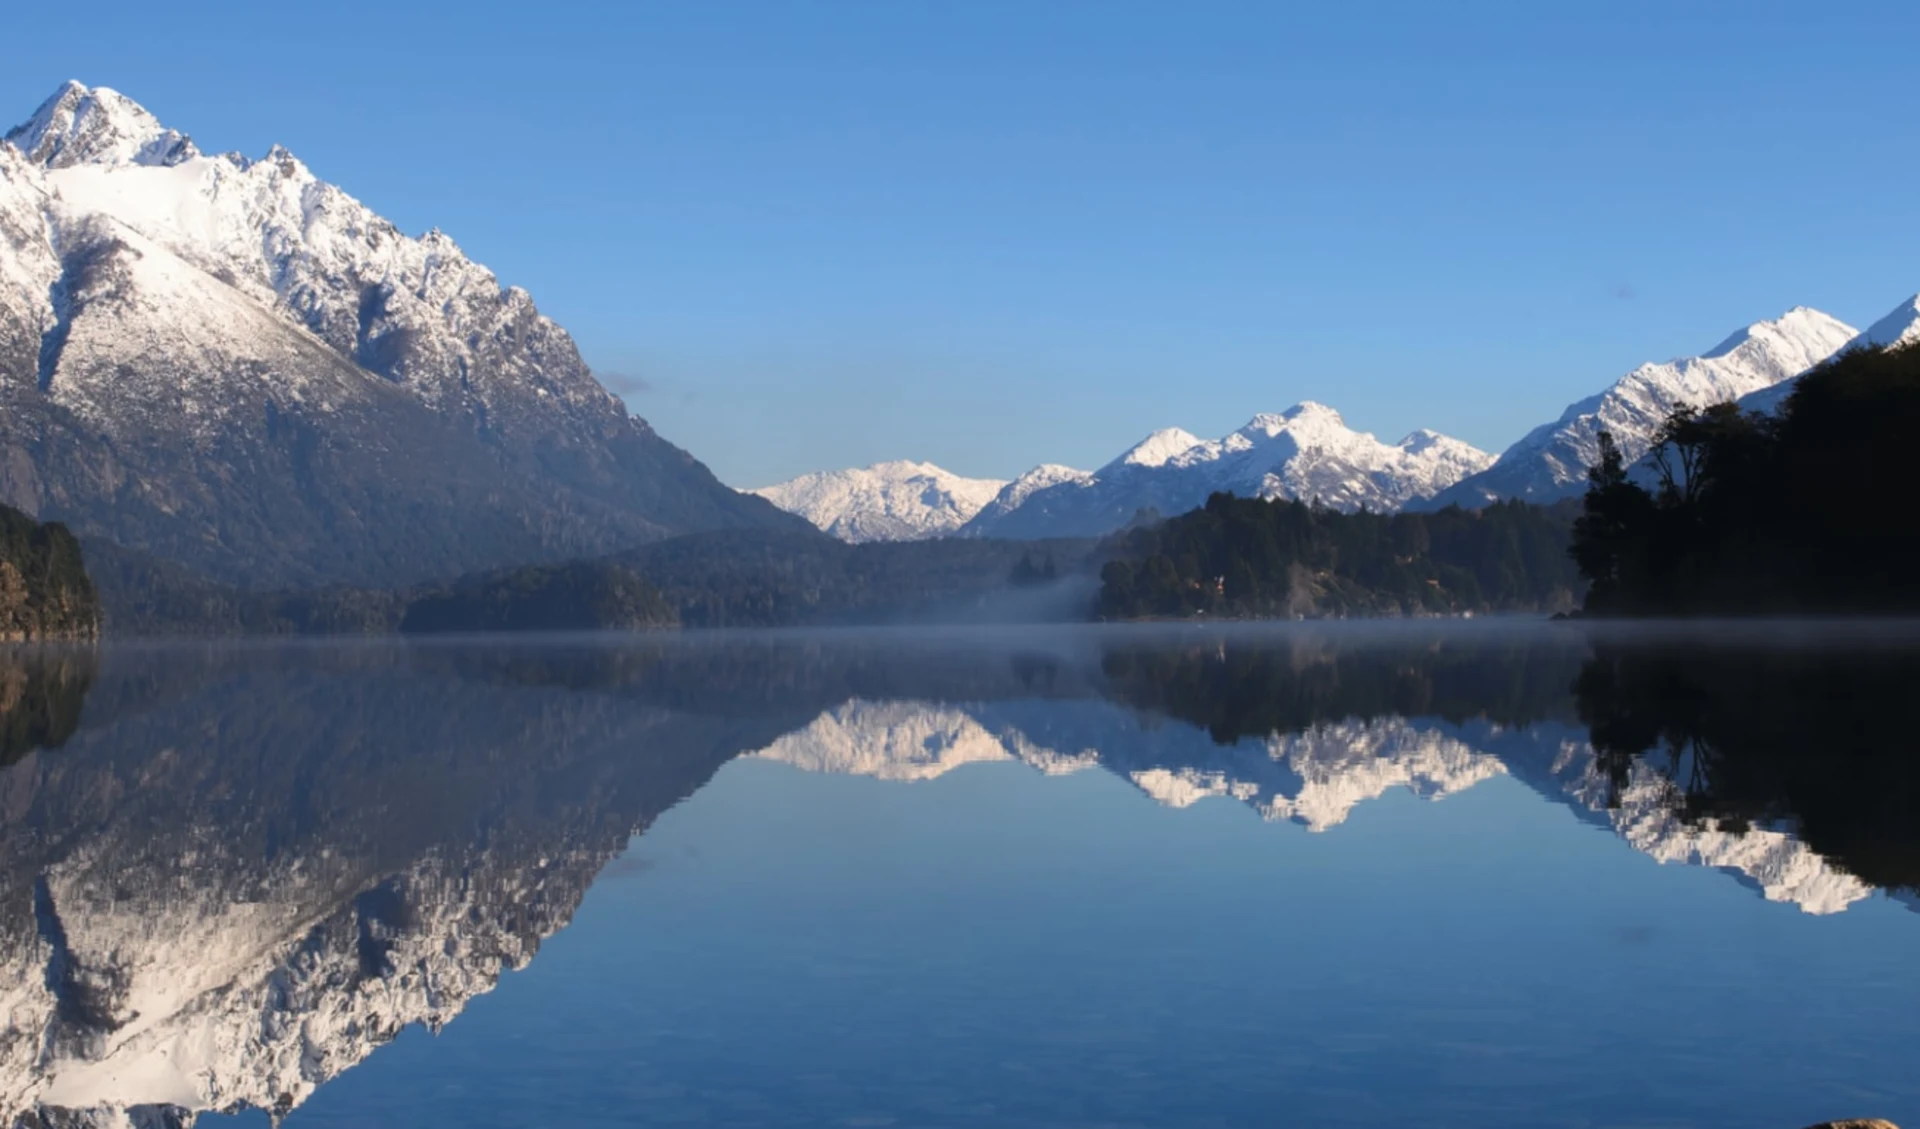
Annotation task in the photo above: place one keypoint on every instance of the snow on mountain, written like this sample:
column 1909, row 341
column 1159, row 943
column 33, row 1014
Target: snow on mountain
column 1900, row 327
column 894, row 501
column 1551, row 461
column 1160, row 448
column 236, row 365
column 1305, row 453
column 1015, row 493
column 100, row 126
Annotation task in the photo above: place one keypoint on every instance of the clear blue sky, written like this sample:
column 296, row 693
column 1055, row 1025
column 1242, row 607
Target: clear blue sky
column 992, row 234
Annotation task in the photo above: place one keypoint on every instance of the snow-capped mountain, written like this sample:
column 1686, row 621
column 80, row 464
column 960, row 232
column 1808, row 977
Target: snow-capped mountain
column 1900, row 327
column 1305, row 453
column 1015, row 494
column 893, row 501
column 234, row 364
column 1551, row 461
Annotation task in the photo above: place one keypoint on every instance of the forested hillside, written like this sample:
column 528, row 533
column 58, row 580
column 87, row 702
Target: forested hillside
column 1804, row 512
column 44, row 589
column 1244, row 558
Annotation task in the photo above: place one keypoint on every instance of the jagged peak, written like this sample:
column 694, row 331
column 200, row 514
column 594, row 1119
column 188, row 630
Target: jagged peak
column 1426, row 439
column 906, row 468
column 1800, row 322
column 1054, row 471
column 81, row 125
column 1897, row 328
column 1159, row 448
column 1303, row 416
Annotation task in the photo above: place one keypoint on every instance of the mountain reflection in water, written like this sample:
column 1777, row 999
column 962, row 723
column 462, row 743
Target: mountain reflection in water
column 232, row 872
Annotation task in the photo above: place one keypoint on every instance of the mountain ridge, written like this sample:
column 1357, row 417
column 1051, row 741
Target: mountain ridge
column 237, row 366
column 1306, row 453
column 887, row 501
column 1755, row 365
column 1550, row 462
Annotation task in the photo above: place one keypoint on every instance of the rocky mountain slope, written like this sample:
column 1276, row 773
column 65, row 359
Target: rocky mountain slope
column 895, row 501
column 1305, row 453
column 1550, row 462
column 232, row 364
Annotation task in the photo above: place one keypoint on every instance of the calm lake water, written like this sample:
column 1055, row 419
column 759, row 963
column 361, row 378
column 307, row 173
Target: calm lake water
column 1457, row 875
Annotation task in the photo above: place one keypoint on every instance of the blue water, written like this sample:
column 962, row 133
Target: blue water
column 993, row 945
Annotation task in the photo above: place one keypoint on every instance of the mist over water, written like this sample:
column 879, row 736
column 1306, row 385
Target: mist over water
column 1440, row 873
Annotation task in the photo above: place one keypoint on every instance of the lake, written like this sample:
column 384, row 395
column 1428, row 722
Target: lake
column 1459, row 874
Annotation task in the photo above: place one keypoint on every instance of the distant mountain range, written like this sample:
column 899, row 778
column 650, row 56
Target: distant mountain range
column 229, row 363
column 897, row 501
column 1307, row 453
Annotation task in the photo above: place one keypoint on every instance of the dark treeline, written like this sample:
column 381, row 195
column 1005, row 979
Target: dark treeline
column 757, row 579
column 1809, row 511
column 577, row 596
column 1243, row 558
column 1750, row 736
column 734, row 579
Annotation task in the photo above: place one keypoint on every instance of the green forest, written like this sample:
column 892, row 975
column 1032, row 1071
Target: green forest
column 1805, row 512
column 1243, row 558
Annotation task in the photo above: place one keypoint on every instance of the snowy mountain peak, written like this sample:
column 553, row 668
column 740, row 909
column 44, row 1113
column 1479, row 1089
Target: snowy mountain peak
column 1900, row 327
column 98, row 126
column 1897, row 328
column 1797, row 332
column 1551, row 461
column 891, row 501
column 1423, row 439
column 1305, row 453
column 1303, row 416
column 1159, row 448
column 157, row 303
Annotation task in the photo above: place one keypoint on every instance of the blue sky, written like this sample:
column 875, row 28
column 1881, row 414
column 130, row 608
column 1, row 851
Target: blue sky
column 810, row 235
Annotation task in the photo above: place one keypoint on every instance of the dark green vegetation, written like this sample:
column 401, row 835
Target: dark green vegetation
column 580, row 596
column 765, row 580
column 1754, row 736
column 44, row 589
column 733, row 579
column 1806, row 512
column 1243, row 558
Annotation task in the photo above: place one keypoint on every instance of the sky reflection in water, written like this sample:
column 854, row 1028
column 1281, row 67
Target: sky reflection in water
column 1094, row 878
